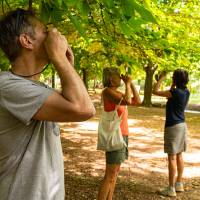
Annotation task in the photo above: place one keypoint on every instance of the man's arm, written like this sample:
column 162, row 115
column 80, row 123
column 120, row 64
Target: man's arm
column 74, row 103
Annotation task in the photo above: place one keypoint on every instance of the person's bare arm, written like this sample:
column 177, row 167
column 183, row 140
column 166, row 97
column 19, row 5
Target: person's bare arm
column 128, row 93
column 74, row 103
column 156, row 89
column 136, row 97
column 130, row 89
column 116, row 96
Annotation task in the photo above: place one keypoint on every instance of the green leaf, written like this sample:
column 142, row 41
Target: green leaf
column 109, row 3
column 144, row 13
column 58, row 3
column 56, row 16
column 45, row 12
column 126, row 29
column 136, row 23
column 76, row 22
column 147, row 3
column 84, row 8
column 71, row 3
column 129, row 71
column 128, row 8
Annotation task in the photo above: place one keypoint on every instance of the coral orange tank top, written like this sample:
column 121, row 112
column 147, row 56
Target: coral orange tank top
column 110, row 106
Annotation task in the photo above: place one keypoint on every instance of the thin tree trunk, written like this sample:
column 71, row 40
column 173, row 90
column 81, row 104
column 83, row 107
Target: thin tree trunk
column 94, row 85
column 149, row 70
column 53, row 78
column 85, row 77
column 30, row 5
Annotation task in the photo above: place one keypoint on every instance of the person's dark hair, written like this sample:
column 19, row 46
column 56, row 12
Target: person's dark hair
column 180, row 78
column 107, row 72
column 11, row 26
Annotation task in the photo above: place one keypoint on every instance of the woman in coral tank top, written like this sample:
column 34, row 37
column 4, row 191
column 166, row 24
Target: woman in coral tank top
column 111, row 98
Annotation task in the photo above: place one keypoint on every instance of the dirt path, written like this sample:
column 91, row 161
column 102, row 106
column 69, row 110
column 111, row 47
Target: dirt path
column 146, row 169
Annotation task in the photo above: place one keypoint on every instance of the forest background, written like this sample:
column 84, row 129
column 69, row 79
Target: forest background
column 141, row 37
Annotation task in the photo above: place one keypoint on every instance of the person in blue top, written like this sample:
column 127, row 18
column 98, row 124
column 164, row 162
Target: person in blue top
column 175, row 134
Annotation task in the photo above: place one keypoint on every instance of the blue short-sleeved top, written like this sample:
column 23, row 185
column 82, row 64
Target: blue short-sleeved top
column 176, row 105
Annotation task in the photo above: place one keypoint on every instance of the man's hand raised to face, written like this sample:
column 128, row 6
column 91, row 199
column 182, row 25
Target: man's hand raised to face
column 57, row 47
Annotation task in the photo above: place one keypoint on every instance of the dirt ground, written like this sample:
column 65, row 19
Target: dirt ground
column 145, row 171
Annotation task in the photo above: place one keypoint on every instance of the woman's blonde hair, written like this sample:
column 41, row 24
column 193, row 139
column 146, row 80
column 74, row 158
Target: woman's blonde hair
column 107, row 72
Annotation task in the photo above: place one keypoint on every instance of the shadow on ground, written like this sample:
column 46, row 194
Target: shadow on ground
column 146, row 169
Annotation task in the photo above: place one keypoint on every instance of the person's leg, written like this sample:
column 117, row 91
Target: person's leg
column 170, row 190
column 112, row 185
column 180, row 167
column 107, row 188
column 172, row 169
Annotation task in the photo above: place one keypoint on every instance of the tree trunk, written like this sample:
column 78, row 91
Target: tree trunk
column 149, row 70
column 53, row 83
column 95, row 84
column 85, row 77
column 30, row 5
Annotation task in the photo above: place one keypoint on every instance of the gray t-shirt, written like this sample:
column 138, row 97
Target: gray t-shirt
column 31, row 159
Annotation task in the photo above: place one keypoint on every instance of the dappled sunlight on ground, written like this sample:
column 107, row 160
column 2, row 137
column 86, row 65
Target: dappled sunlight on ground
column 193, row 156
column 132, row 122
column 145, row 145
column 147, row 162
column 89, row 127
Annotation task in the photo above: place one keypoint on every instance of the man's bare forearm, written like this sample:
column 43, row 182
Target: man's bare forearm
column 73, row 88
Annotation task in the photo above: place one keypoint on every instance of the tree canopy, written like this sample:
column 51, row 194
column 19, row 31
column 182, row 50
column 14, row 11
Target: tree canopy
column 140, row 37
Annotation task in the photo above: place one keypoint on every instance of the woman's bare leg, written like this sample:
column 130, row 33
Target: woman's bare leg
column 172, row 169
column 107, row 188
column 112, row 186
column 180, row 167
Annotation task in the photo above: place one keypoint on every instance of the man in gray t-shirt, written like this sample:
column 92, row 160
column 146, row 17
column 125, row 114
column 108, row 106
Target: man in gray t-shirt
column 31, row 160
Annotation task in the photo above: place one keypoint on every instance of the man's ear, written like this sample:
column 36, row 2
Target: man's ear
column 26, row 41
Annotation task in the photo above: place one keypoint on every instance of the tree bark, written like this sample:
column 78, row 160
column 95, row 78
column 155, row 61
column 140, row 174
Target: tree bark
column 150, row 68
column 53, row 83
column 30, row 5
column 85, row 77
column 95, row 84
